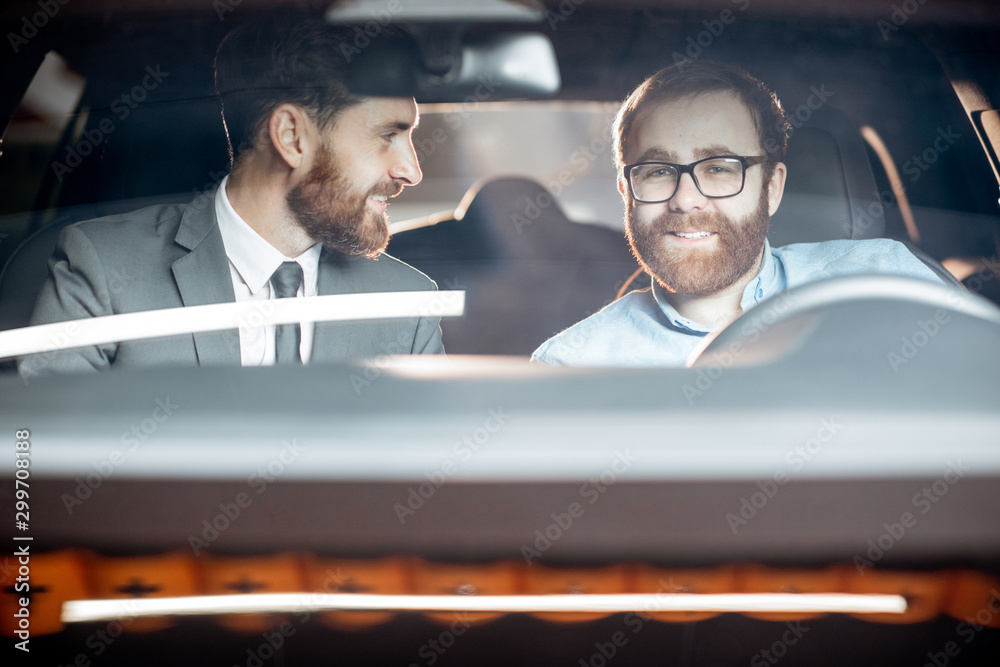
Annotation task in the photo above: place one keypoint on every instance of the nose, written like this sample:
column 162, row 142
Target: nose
column 688, row 197
column 406, row 166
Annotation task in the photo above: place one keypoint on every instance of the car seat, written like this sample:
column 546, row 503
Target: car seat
column 27, row 267
column 528, row 270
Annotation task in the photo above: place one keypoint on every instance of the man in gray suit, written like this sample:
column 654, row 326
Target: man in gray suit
column 301, row 213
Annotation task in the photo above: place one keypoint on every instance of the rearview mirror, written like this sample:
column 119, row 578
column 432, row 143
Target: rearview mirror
column 439, row 65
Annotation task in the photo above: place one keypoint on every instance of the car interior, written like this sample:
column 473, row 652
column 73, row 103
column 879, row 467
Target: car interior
column 894, row 136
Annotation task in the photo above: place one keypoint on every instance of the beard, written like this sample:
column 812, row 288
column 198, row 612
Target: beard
column 331, row 212
column 699, row 271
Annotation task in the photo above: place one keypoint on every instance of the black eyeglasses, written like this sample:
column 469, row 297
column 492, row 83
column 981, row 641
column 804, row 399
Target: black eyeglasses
column 715, row 177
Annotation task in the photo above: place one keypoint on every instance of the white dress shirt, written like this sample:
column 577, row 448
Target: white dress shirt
column 252, row 262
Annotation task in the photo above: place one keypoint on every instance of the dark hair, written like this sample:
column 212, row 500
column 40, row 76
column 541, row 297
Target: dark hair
column 691, row 78
column 260, row 66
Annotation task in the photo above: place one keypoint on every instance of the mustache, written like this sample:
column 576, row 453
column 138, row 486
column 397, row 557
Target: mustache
column 385, row 190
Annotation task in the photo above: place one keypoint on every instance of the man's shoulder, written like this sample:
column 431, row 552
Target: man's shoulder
column 400, row 271
column 156, row 221
column 596, row 340
column 844, row 256
column 383, row 273
column 837, row 248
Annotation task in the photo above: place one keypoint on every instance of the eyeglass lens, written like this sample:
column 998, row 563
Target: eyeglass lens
column 718, row 177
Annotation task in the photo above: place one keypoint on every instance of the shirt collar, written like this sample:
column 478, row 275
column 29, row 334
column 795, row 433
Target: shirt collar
column 255, row 259
column 762, row 286
column 765, row 284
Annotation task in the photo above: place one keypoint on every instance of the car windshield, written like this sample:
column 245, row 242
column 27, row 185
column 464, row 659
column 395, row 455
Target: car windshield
column 835, row 436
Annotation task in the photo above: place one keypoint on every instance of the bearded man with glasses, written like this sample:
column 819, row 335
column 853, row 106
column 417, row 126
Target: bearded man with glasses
column 699, row 149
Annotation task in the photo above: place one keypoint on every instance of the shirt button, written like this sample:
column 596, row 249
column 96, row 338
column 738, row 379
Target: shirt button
column 760, row 293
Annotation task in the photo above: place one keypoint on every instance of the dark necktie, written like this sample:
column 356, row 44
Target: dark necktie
column 286, row 281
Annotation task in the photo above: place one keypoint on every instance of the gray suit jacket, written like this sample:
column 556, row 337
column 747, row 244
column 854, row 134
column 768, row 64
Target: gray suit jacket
column 172, row 255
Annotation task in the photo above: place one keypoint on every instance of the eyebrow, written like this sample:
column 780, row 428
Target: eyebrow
column 713, row 150
column 395, row 125
column 657, row 154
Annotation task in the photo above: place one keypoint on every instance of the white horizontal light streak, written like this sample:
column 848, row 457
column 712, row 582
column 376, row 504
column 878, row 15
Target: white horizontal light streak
column 220, row 316
column 83, row 611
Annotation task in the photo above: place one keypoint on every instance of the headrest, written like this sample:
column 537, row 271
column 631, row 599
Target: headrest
column 830, row 192
column 519, row 216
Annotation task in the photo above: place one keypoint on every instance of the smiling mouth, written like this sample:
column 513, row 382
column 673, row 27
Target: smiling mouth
column 692, row 235
column 379, row 202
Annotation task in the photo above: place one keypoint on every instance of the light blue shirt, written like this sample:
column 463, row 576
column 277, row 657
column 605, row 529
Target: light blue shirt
column 643, row 329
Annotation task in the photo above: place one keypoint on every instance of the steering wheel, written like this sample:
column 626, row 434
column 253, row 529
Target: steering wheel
column 856, row 316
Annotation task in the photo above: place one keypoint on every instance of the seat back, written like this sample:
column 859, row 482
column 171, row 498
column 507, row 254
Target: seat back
column 27, row 267
column 830, row 192
column 528, row 270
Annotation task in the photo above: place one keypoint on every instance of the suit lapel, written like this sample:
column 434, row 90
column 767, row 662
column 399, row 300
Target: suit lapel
column 331, row 279
column 203, row 277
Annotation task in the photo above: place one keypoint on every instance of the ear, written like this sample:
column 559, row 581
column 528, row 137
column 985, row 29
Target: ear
column 776, row 187
column 292, row 134
column 623, row 188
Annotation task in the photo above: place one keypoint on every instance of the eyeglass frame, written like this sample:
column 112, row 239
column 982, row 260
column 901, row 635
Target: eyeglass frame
column 746, row 161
